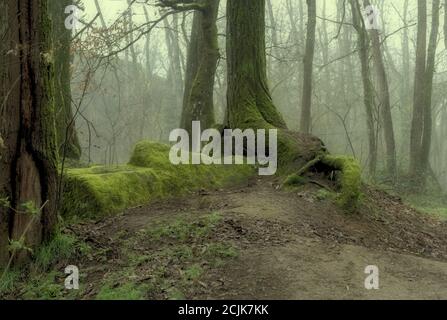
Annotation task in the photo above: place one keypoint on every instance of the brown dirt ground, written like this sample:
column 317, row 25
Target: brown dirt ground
column 293, row 245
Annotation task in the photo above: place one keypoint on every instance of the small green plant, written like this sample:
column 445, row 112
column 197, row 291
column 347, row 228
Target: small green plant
column 61, row 247
column 193, row 272
column 295, row 180
column 9, row 281
column 4, row 202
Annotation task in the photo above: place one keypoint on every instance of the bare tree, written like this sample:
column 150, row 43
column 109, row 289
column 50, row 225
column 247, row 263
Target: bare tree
column 306, row 106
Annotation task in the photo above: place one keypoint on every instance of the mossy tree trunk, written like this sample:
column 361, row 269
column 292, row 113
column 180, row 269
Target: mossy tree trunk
column 250, row 104
column 203, row 54
column 67, row 138
column 28, row 159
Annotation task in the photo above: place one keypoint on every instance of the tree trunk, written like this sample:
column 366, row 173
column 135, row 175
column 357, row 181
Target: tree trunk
column 368, row 89
column 250, row 105
column 28, row 160
column 429, row 74
column 67, row 138
column 306, row 115
column 417, row 125
column 385, row 104
column 203, row 54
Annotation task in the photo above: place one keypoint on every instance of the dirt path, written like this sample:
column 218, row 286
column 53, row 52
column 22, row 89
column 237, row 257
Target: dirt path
column 293, row 244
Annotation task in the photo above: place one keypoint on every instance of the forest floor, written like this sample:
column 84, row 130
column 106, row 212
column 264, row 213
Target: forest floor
column 260, row 242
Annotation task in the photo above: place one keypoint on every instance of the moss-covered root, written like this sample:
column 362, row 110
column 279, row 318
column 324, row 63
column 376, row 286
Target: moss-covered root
column 350, row 180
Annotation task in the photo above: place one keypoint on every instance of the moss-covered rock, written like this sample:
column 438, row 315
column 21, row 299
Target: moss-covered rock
column 98, row 191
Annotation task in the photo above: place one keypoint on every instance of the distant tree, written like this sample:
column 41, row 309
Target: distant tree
column 421, row 129
column 306, row 103
column 67, row 138
column 385, row 101
column 364, row 45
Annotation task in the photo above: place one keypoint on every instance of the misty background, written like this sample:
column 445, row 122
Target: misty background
column 137, row 94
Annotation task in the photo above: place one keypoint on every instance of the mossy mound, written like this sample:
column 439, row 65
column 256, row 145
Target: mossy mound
column 350, row 180
column 99, row 191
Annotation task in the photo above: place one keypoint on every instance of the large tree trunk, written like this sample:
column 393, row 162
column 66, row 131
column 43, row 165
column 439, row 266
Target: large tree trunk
column 368, row 89
column 67, row 138
column 203, row 54
column 250, row 104
column 385, row 103
column 306, row 106
column 28, row 159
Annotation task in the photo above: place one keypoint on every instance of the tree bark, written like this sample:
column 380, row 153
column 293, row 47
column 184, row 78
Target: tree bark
column 28, row 160
column 417, row 125
column 67, row 138
column 203, row 54
column 250, row 104
column 385, row 103
column 363, row 43
column 429, row 74
column 306, row 106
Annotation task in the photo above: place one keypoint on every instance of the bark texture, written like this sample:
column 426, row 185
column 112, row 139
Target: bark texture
column 385, row 102
column 28, row 159
column 250, row 104
column 363, row 44
column 203, row 55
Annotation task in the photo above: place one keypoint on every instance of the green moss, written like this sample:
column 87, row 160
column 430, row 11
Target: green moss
column 295, row 180
column 98, row 191
column 324, row 194
column 150, row 154
column 350, row 180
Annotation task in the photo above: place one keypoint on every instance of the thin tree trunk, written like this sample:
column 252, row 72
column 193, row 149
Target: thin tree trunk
column 67, row 138
column 385, row 103
column 417, row 126
column 429, row 74
column 368, row 89
column 306, row 106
